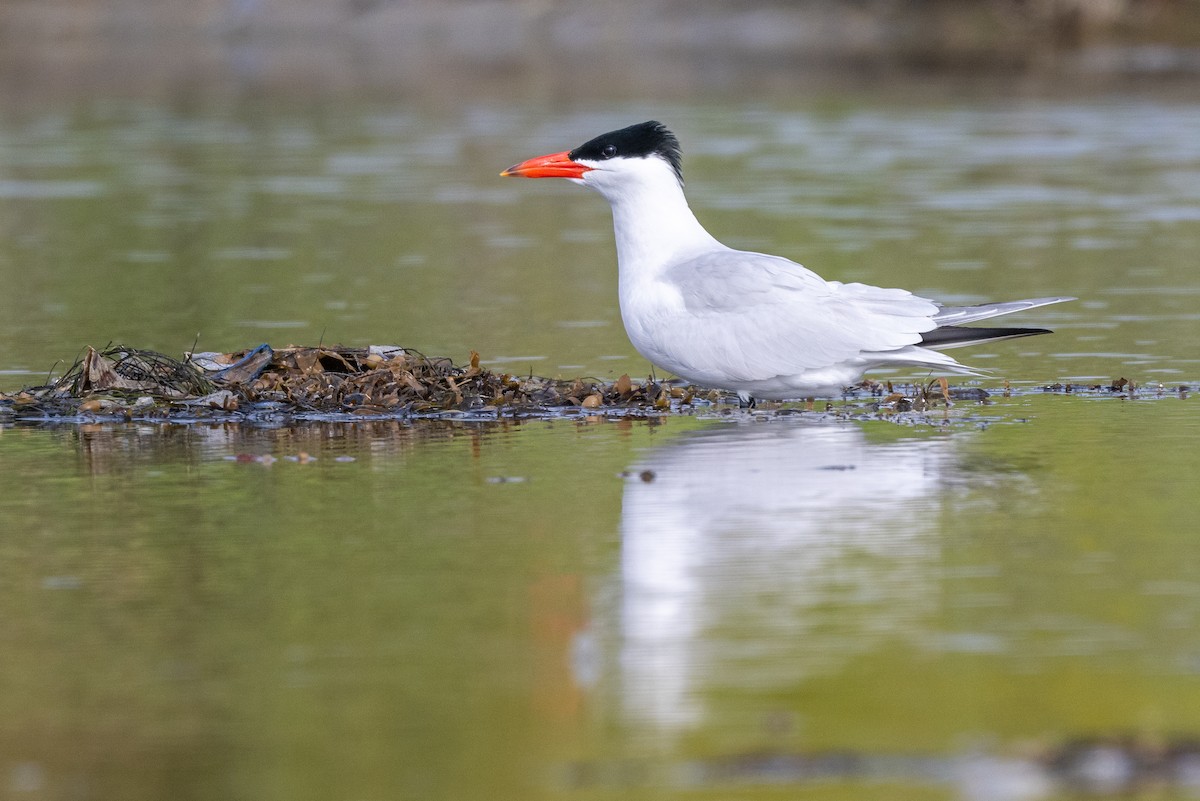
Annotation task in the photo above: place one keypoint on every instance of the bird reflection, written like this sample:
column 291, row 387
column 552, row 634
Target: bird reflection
column 760, row 555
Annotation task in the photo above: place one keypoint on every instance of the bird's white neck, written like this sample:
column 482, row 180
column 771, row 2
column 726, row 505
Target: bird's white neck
column 654, row 231
column 653, row 224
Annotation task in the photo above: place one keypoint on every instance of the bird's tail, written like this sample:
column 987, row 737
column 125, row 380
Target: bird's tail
column 951, row 333
column 957, row 315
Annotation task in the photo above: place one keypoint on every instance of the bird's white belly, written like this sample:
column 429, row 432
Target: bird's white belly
column 663, row 331
column 649, row 312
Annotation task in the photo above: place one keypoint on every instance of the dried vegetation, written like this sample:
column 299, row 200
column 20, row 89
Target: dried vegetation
column 386, row 382
column 126, row 382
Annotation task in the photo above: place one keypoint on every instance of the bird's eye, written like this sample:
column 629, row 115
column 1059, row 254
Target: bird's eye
column 609, row 151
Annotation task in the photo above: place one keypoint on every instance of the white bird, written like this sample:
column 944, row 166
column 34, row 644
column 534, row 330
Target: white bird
column 759, row 325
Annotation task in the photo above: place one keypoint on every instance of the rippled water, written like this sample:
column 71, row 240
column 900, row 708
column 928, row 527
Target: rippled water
column 993, row 602
column 373, row 226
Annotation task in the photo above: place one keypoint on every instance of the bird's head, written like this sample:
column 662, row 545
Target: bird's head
column 615, row 163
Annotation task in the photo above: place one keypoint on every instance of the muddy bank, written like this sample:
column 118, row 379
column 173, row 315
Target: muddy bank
column 447, row 52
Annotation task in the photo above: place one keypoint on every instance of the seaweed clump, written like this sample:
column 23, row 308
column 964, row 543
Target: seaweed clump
column 120, row 381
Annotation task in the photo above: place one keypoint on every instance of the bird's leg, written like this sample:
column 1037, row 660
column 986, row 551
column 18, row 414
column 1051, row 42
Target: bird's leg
column 745, row 401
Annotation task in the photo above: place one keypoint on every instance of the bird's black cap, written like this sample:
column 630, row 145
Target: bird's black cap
column 643, row 140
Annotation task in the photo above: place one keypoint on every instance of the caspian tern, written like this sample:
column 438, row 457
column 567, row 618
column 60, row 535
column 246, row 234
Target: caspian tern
column 759, row 325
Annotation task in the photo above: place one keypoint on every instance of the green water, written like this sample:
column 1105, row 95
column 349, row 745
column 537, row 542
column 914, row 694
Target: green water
column 366, row 224
column 595, row 609
column 478, row 611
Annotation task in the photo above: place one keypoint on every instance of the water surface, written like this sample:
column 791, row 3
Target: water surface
column 986, row 603
column 364, row 224
column 594, row 606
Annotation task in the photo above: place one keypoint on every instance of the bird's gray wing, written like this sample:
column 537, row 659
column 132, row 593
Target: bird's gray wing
column 761, row 316
column 957, row 315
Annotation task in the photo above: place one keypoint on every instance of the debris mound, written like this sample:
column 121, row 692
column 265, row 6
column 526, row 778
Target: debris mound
column 121, row 381
column 132, row 370
column 268, row 386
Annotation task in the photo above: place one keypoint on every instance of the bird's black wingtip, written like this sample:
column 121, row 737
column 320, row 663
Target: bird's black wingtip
column 957, row 336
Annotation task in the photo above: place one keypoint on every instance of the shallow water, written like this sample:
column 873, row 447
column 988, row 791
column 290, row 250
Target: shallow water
column 597, row 607
column 695, row 606
column 370, row 225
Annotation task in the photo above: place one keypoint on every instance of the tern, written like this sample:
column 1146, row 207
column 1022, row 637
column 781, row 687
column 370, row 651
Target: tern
column 762, row 326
